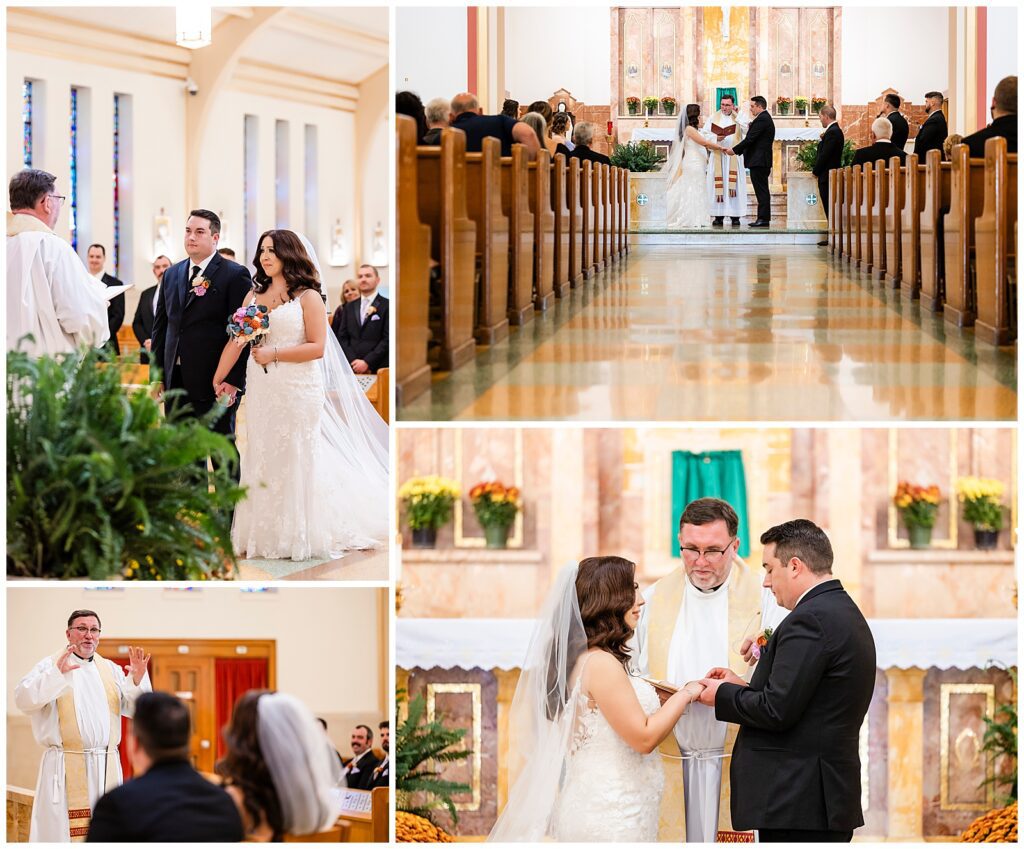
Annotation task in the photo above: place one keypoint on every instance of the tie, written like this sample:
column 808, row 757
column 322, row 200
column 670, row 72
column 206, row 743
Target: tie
column 362, row 312
column 192, row 277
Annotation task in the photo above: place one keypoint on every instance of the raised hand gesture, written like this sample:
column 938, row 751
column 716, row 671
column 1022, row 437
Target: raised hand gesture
column 137, row 663
column 64, row 663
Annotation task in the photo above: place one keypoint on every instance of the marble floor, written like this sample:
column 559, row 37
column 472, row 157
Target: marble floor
column 729, row 333
column 354, row 566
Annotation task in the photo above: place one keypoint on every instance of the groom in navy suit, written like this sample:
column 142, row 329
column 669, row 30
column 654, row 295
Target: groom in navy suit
column 197, row 298
column 756, row 150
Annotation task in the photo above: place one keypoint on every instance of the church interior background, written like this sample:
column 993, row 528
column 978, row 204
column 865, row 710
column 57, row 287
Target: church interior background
column 944, row 617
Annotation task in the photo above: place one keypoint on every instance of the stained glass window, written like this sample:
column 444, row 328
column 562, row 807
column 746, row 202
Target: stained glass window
column 26, row 123
column 74, row 168
column 117, row 185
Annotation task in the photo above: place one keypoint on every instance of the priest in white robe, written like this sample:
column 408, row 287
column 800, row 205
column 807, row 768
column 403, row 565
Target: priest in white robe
column 76, row 699
column 50, row 295
column 703, row 615
column 727, row 177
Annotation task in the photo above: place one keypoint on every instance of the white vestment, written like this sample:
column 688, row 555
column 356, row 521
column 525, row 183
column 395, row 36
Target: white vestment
column 50, row 294
column 700, row 642
column 733, row 207
column 36, row 695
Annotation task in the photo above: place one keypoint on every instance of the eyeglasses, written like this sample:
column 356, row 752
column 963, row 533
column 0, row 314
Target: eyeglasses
column 95, row 632
column 61, row 198
column 711, row 555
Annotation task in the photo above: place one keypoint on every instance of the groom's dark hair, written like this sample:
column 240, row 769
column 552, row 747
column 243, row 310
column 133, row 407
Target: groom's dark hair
column 760, row 101
column 162, row 726
column 803, row 539
column 704, row 511
column 212, row 217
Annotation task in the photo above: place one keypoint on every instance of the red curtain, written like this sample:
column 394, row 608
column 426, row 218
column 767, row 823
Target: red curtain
column 233, row 678
column 126, row 724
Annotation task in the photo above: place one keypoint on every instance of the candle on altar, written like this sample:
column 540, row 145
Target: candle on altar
column 609, row 128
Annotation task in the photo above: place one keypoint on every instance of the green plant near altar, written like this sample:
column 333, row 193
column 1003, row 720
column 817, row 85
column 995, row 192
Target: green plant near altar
column 807, row 155
column 101, row 485
column 420, row 745
column 636, row 156
column 669, row 104
column 980, row 499
column 650, row 105
column 428, row 501
column 801, row 104
column 1000, row 741
column 918, row 505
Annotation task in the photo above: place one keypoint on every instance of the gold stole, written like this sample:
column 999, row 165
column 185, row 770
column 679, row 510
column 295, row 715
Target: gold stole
column 76, row 782
column 744, row 606
column 732, row 161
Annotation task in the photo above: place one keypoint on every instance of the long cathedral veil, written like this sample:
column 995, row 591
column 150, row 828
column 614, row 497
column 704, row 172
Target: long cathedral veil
column 543, row 716
column 670, row 168
column 353, row 431
column 303, row 765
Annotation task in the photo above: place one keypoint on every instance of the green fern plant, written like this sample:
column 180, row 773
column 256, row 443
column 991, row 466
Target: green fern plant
column 1000, row 740
column 807, row 153
column 100, row 484
column 636, row 156
column 420, row 746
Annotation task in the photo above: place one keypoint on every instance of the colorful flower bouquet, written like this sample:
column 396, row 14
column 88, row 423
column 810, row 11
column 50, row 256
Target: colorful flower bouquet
column 250, row 325
column 981, row 499
column 919, row 508
column 496, row 507
column 761, row 642
column 428, row 505
column 817, row 103
column 633, row 105
column 199, row 286
column 669, row 104
column 783, row 104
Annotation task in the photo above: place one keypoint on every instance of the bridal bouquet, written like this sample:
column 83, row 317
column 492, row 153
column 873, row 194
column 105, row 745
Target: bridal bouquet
column 250, row 325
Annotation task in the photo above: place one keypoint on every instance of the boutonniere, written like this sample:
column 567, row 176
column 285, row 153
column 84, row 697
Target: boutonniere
column 371, row 311
column 199, row 286
column 761, row 642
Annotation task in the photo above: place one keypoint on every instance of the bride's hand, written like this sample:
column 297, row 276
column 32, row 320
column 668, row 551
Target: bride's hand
column 263, row 355
column 693, row 689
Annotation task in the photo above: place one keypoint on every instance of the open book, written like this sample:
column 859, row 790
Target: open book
column 663, row 687
column 723, row 131
column 111, row 292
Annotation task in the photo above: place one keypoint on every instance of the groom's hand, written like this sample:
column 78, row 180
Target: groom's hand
column 721, row 674
column 711, row 686
column 747, row 650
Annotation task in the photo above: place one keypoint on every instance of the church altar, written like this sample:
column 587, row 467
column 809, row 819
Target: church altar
column 921, row 759
column 668, row 134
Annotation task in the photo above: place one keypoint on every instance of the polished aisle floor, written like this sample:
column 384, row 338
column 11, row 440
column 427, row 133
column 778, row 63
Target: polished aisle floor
column 729, row 332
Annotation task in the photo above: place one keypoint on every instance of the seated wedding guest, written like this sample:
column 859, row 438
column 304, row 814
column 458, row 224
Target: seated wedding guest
column 510, row 109
column 381, row 772
column 409, row 103
column 437, row 119
column 535, row 121
column 359, row 771
column 96, row 257
column 349, row 292
column 583, row 138
column 323, row 724
column 467, row 116
column 166, row 801
column 900, row 127
column 1004, row 119
column 142, row 324
column 280, row 768
column 934, row 130
column 883, row 148
column 363, row 326
column 557, row 141
column 543, row 108
column 948, row 145
column 227, row 253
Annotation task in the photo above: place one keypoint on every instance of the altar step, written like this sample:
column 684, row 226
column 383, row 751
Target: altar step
column 777, row 234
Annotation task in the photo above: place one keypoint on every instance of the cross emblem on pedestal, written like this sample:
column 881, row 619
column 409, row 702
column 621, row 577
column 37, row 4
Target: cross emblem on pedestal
column 811, row 199
column 641, row 199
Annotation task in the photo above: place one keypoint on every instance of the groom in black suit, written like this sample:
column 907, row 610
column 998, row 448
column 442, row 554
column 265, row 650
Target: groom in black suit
column 362, row 326
column 796, row 765
column 197, row 297
column 756, row 148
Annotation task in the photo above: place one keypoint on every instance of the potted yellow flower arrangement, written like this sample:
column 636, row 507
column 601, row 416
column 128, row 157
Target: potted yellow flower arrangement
column 919, row 508
column 981, row 500
column 428, row 504
column 496, row 507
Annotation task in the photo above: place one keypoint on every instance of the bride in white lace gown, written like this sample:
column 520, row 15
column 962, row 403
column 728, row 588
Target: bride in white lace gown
column 314, row 458
column 689, row 205
column 584, row 731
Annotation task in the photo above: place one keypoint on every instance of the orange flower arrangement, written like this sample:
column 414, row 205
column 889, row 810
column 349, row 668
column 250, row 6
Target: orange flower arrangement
column 919, row 505
column 494, row 503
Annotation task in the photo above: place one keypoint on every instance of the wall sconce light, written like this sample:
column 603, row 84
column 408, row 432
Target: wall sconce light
column 379, row 249
column 339, row 250
column 161, row 235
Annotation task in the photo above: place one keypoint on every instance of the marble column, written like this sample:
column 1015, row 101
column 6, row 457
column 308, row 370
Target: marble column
column 963, row 70
column 845, row 477
column 507, row 680
column 568, row 497
column 906, row 753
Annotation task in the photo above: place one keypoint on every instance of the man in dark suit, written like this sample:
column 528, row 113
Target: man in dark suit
column 933, row 131
column 145, row 312
column 1004, row 119
column 95, row 259
column 830, row 154
column 756, row 148
column 466, row 115
column 362, row 327
column 382, row 772
column 358, row 772
column 883, row 148
column 795, row 767
column 166, row 801
column 197, row 297
column 900, row 128
column 583, row 138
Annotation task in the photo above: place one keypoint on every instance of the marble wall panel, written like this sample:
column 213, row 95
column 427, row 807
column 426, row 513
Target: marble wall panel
column 875, row 762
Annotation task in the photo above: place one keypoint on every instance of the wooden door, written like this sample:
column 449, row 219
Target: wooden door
column 191, row 680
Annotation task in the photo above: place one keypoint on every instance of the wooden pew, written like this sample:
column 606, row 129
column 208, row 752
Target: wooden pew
column 933, row 216
column 543, row 230
column 625, row 210
column 515, row 203
column 849, row 213
column 966, row 202
column 835, row 204
column 857, row 224
column 893, row 221
column 573, row 197
column 609, row 215
column 371, row 826
column 483, row 203
column 597, row 205
column 867, row 201
column 910, row 227
column 412, row 249
column 880, row 201
column 560, row 210
column 441, row 194
column 995, row 242
column 587, row 218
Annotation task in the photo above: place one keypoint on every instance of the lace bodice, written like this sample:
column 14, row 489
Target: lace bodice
column 694, row 151
column 287, row 326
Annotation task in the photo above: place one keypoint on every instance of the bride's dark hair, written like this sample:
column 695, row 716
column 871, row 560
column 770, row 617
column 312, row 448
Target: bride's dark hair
column 693, row 115
column 298, row 269
column 606, row 593
column 245, row 767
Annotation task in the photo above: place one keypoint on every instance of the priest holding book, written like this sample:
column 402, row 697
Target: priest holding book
column 727, row 177
column 714, row 607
